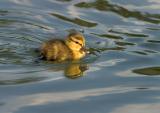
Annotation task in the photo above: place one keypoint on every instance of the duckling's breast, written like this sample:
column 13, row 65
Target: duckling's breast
column 78, row 55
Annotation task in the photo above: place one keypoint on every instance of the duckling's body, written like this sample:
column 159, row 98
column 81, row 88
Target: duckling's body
column 72, row 48
column 56, row 50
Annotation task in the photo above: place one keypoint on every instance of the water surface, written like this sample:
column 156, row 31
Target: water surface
column 121, row 77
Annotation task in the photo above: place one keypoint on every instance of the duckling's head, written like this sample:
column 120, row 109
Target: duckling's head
column 76, row 43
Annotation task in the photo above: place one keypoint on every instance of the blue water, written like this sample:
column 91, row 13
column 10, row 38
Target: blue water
column 121, row 77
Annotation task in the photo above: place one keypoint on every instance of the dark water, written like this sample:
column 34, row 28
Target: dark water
column 123, row 76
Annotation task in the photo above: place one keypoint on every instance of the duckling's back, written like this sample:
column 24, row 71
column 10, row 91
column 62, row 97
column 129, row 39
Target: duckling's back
column 56, row 49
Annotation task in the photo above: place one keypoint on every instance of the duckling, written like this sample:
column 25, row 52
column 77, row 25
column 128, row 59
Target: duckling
column 72, row 48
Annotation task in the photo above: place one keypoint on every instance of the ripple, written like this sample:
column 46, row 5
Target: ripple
column 148, row 71
column 21, row 81
column 5, row 22
column 110, row 36
column 124, row 43
column 77, row 21
column 150, row 51
column 154, row 41
column 103, row 5
column 153, row 29
column 139, row 52
column 129, row 34
column 3, row 12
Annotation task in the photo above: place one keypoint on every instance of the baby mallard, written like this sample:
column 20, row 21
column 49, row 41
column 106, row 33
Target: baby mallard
column 72, row 48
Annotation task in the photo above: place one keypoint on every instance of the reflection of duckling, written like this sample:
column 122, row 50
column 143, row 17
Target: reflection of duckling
column 75, row 70
column 73, row 48
column 71, row 70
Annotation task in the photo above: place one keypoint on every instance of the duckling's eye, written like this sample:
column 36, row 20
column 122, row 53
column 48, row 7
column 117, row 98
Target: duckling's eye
column 77, row 42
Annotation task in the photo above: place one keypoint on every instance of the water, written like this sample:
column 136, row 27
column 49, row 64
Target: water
column 123, row 76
